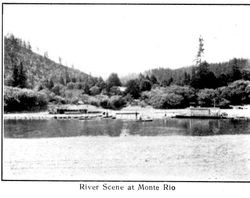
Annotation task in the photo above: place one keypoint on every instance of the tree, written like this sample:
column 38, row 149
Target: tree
column 222, row 80
column 58, row 89
column 15, row 76
column 19, row 78
column 100, row 83
column 115, row 91
column 113, row 80
column 145, row 85
column 166, row 83
column 49, row 83
column 70, row 85
column 153, row 79
column 61, row 80
column 86, row 89
column 187, row 79
column 162, row 99
column 116, row 102
column 200, row 52
column 236, row 73
column 22, row 77
column 236, row 92
column 246, row 74
column 207, row 97
column 202, row 77
column 73, row 79
column 133, row 88
column 67, row 78
column 95, row 90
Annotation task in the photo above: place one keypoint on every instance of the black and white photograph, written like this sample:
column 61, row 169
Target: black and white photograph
column 125, row 92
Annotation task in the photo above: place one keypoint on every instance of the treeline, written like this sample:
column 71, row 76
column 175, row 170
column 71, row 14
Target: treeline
column 223, row 73
column 237, row 93
column 32, row 80
column 17, row 99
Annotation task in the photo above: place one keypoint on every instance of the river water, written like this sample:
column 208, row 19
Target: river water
column 170, row 149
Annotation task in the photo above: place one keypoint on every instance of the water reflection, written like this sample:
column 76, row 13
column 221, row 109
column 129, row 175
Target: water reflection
column 115, row 128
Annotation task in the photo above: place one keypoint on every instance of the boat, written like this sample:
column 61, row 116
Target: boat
column 202, row 113
column 145, row 120
column 148, row 119
column 198, row 117
column 238, row 118
column 85, row 118
column 108, row 117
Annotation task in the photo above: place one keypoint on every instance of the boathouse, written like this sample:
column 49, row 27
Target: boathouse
column 202, row 111
column 71, row 110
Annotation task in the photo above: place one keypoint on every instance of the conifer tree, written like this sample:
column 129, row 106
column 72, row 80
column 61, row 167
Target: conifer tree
column 22, row 77
column 200, row 53
column 19, row 78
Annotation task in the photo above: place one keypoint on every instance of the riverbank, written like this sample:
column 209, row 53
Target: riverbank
column 142, row 111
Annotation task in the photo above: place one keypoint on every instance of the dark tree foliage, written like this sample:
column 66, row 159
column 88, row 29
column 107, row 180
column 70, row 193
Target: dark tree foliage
column 246, row 74
column 203, row 78
column 113, row 80
column 170, row 97
column 22, row 77
column 153, row 79
column 95, row 90
column 17, row 99
column 62, row 81
column 58, row 89
column 133, row 88
column 15, row 76
column 166, row 83
column 50, row 83
column 187, row 79
column 73, row 79
column 207, row 97
column 145, row 85
column 100, row 83
column 236, row 73
column 237, row 92
column 222, row 80
column 19, row 78
column 67, row 77
column 86, row 89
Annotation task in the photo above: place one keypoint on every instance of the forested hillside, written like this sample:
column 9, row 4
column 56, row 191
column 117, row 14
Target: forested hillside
column 38, row 68
column 224, row 71
column 32, row 82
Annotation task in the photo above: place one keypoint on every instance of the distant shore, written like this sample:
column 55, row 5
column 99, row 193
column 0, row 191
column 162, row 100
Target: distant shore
column 148, row 111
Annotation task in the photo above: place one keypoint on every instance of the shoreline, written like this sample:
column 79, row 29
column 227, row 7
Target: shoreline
column 142, row 111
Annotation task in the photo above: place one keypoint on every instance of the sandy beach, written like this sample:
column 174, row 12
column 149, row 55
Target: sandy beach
column 143, row 111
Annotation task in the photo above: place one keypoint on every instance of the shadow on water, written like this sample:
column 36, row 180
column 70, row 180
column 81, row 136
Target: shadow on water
column 115, row 128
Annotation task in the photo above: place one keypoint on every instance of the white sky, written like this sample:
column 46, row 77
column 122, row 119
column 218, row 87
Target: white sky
column 126, row 39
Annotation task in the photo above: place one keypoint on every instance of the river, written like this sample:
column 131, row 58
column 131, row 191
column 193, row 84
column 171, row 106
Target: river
column 170, row 149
